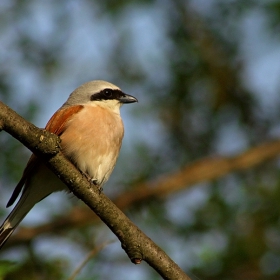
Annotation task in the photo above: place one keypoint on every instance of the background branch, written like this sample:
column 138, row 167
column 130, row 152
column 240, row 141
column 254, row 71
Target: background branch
column 202, row 170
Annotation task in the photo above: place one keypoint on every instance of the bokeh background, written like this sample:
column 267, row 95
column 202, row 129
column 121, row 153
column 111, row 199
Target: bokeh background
column 206, row 73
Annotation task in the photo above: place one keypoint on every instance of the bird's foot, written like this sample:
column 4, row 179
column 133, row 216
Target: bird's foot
column 94, row 182
column 97, row 184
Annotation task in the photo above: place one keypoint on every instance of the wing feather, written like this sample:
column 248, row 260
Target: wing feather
column 57, row 122
column 56, row 125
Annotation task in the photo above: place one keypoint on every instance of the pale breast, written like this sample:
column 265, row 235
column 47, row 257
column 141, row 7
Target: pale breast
column 92, row 141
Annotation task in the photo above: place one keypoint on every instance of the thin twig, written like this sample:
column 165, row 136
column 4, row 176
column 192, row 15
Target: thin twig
column 90, row 255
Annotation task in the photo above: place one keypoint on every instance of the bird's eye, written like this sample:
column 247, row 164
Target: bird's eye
column 108, row 93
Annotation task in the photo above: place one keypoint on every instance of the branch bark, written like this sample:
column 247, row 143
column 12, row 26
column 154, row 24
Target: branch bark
column 46, row 146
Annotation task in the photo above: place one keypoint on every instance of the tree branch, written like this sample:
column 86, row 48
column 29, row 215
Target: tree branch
column 46, row 146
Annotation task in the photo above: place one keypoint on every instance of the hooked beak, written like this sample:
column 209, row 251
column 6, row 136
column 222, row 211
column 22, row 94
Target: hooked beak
column 126, row 98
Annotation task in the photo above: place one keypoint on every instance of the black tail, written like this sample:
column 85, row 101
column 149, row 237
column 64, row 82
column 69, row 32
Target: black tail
column 5, row 233
column 22, row 208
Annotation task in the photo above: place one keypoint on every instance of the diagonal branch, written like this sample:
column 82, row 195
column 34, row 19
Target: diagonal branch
column 46, row 146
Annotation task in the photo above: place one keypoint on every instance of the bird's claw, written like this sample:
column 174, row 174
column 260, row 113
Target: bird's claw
column 94, row 182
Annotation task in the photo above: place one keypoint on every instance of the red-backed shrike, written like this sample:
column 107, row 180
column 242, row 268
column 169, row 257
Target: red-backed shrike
column 91, row 132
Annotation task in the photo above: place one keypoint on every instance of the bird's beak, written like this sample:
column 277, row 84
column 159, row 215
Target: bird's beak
column 126, row 98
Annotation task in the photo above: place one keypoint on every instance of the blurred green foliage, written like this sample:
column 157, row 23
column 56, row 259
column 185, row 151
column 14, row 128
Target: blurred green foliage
column 186, row 64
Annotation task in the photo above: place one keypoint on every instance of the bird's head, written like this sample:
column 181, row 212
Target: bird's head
column 100, row 93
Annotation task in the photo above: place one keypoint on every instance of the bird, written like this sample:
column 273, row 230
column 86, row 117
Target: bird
column 91, row 132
